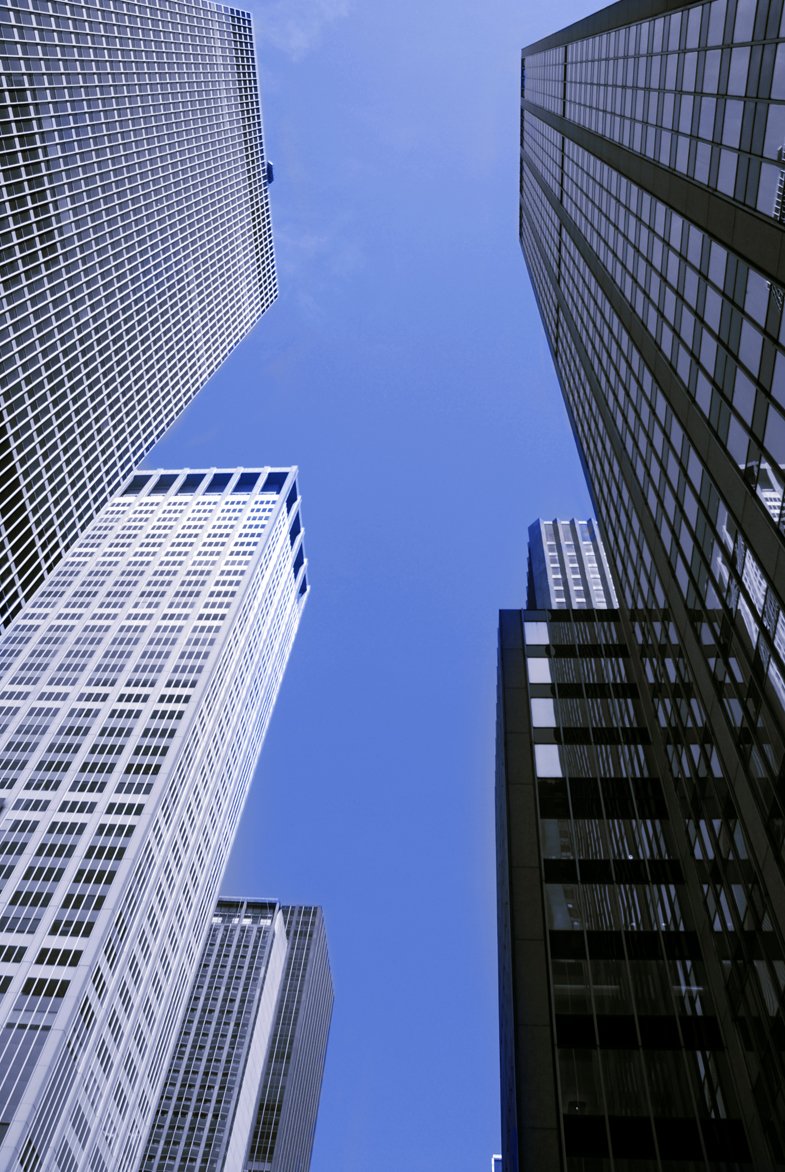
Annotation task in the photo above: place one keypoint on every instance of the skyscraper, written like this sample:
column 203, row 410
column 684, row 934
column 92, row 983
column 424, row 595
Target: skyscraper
column 136, row 249
column 567, row 566
column 612, row 1007
column 651, row 223
column 242, row 1090
column 135, row 691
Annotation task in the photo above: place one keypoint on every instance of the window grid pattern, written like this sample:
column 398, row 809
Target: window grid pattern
column 135, row 253
column 285, row 1115
column 711, row 314
column 711, row 560
column 701, row 90
column 132, row 881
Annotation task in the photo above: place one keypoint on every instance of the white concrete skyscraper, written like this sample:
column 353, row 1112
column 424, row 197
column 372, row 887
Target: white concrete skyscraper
column 135, row 247
column 135, row 691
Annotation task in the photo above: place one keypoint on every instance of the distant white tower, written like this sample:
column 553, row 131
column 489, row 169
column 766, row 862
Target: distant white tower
column 135, row 692
column 242, row 1091
column 568, row 567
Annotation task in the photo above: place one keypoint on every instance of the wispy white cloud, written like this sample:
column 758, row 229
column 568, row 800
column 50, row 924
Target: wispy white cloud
column 312, row 264
column 295, row 26
column 335, row 252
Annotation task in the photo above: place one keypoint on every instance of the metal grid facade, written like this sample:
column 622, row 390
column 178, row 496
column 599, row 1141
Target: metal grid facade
column 653, row 236
column 135, row 246
column 135, row 692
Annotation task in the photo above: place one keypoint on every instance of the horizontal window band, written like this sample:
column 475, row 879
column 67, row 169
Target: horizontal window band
column 638, row 944
column 615, row 870
column 622, row 1030
column 637, row 797
column 677, row 1138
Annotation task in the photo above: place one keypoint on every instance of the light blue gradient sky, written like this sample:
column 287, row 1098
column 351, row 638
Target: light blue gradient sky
column 405, row 370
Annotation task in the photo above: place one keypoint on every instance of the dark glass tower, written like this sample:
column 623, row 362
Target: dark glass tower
column 651, row 222
column 612, row 1052
column 135, row 247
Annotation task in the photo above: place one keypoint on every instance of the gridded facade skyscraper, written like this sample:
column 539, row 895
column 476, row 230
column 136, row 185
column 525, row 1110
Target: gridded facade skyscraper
column 135, row 692
column 135, row 252
column 567, row 566
column 651, row 222
column 242, row 1091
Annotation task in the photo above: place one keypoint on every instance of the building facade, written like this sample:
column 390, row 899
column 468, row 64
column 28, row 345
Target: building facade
column 651, row 223
column 567, row 566
column 612, row 1048
column 135, row 691
column 135, row 249
column 242, row 1090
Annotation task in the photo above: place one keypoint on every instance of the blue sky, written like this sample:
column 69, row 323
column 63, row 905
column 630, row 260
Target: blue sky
column 405, row 371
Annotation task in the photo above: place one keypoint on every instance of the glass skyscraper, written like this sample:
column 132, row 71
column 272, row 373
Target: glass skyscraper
column 135, row 247
column 652, row 225
column 135, row 691
column 242, row 1090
